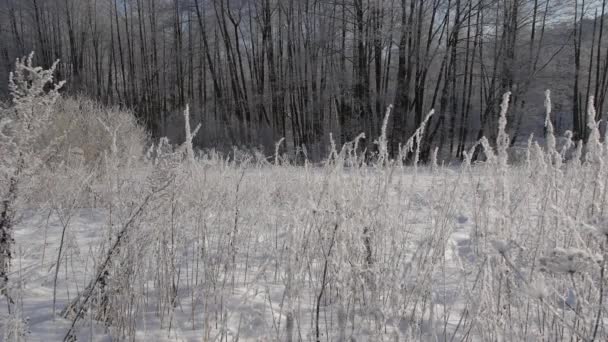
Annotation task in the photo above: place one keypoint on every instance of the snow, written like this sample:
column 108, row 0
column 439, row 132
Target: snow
column 243, row 249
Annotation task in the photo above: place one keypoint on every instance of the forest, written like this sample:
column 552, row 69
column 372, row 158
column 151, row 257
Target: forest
column 256, row 71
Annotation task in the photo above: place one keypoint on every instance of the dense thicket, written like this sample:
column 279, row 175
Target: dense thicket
column 254, row 71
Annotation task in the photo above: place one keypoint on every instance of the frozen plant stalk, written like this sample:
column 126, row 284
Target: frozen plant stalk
column 593, row 141
column 276, row 151
column 548, row 123
column 189, row 135
column 554, row 156
column 502, row 140
column 382, row 141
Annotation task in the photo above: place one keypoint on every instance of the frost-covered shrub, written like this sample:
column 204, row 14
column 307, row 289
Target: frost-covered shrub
column 571, row 260
column 14, row 328
column 88, row 128
column 33, row 91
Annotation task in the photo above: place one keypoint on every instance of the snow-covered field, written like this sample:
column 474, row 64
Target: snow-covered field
column 253, row 252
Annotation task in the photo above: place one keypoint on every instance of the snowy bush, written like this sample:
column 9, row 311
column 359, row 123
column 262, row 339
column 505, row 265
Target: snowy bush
column 87, row 128
column 33, row 93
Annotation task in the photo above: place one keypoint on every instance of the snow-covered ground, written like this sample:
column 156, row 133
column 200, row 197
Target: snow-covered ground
column 228, row 252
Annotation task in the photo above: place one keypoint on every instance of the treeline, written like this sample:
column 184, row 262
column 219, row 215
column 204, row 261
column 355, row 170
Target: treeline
column 254, row 71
